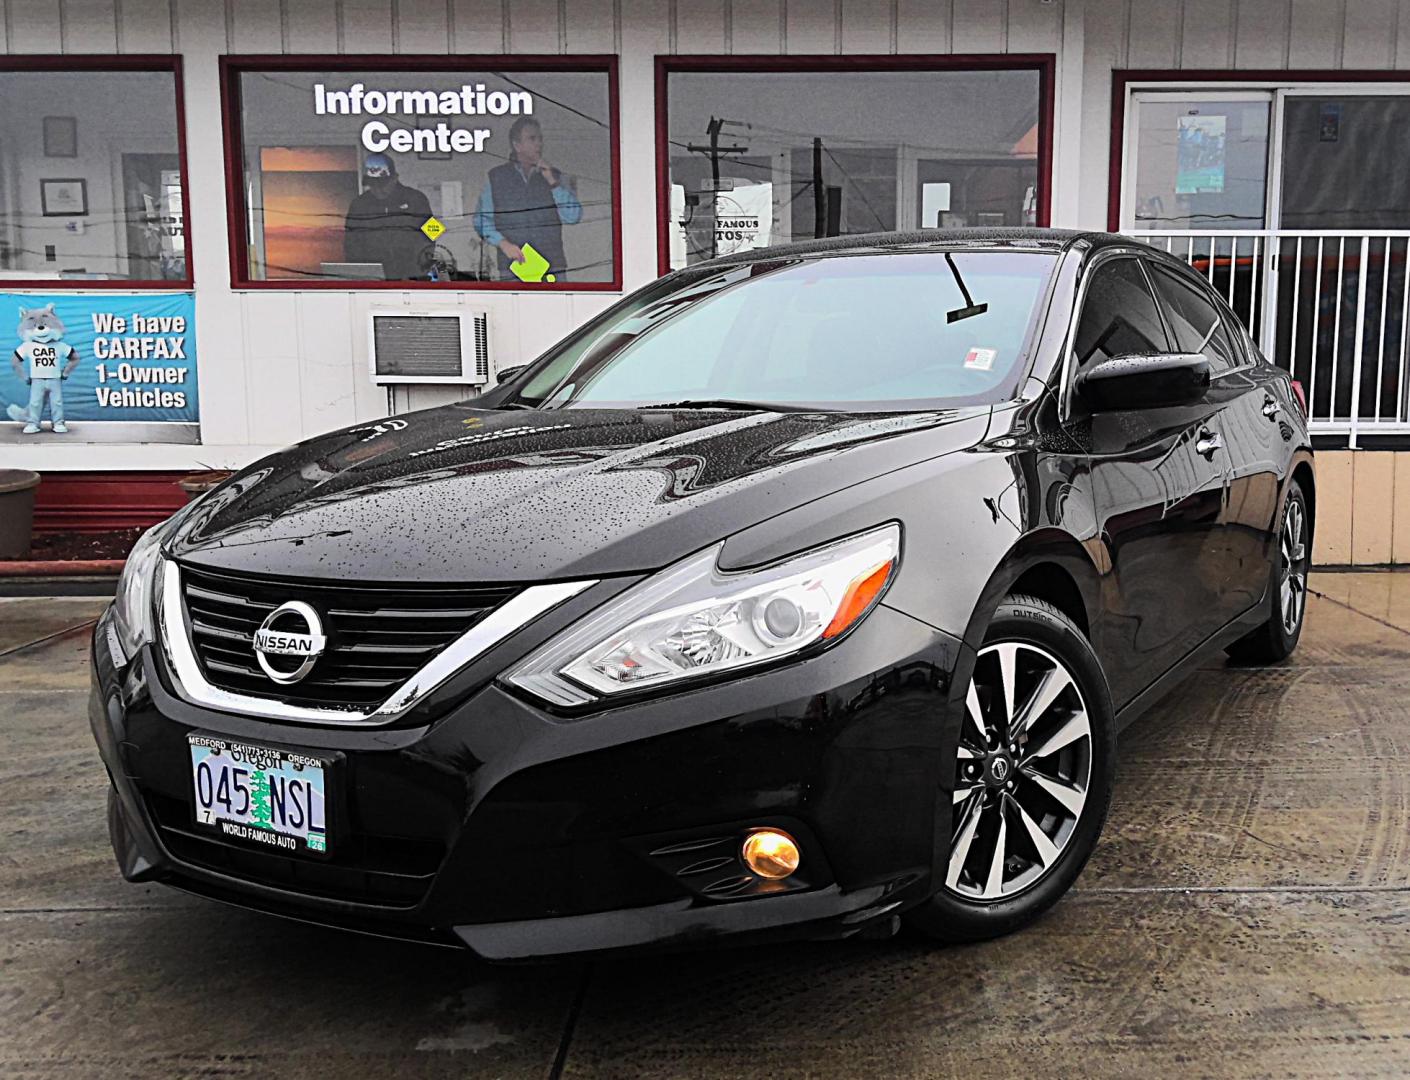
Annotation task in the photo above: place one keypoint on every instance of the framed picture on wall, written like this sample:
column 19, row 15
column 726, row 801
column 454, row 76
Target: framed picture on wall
column 64, row 198
column 61, row 136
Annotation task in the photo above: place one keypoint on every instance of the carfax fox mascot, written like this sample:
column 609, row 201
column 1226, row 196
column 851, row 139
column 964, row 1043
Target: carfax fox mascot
column 43, row 360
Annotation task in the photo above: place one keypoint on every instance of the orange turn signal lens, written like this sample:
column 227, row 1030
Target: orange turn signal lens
column 771, row 854
column 858, row 598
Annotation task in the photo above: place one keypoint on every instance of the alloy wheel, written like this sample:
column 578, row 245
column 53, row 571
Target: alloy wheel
column 1023, row 771
column 1292, row 569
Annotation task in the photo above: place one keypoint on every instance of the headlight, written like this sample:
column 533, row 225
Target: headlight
column 693, row 620
column 133, row 609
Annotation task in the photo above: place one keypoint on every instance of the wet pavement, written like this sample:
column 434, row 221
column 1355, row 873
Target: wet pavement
column 1246, row 914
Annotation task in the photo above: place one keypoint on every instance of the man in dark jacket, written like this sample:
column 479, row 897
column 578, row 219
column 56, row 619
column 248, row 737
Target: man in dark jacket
column 384, row 222
column 526, row 201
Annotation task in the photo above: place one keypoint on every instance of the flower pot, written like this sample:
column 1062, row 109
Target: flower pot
column 16, row 511
column 197, row 484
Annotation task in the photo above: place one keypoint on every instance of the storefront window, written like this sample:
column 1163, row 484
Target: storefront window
column 90, row 175
column 490, row 175
column 764, row 157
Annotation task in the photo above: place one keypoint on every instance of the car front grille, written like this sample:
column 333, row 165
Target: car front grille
column 378, row 635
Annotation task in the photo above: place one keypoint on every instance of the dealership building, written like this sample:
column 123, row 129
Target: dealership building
column 242, row 224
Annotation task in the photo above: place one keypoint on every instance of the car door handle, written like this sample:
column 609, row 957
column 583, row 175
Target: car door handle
column 1271, row 408
column 1207, row 443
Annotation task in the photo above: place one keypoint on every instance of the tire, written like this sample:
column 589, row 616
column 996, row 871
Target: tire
column 993, row 801
column 1276, row 638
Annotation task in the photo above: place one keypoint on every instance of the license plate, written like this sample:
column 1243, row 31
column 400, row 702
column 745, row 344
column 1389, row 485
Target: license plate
column 276, row 799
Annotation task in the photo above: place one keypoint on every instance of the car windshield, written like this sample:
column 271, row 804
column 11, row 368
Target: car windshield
column 886, row 332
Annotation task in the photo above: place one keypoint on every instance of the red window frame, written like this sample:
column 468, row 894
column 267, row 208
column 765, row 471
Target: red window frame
column 1045, row 64
column 117, row 64
column 232, row 67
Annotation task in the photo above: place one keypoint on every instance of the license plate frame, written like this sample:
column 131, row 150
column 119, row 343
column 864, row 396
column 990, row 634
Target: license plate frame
column 312, row 772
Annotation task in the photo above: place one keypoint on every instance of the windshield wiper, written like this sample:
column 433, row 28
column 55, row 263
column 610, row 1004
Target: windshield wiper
column 734, row 403
column 970, row 309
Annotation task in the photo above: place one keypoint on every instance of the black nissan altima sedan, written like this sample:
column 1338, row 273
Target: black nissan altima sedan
column 798, row 594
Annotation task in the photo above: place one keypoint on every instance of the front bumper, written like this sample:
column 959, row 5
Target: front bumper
column 521, row 836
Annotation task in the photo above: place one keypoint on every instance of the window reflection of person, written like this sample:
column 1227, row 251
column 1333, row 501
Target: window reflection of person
column 527, row 201
column 384, row 222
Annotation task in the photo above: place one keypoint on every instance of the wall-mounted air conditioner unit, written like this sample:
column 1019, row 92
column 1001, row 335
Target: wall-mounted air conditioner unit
column 428, row 345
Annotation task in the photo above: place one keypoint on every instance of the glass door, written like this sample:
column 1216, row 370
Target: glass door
column 1294, row 202
column 1197, row 161
column 1346, row 158
column 1340, row 294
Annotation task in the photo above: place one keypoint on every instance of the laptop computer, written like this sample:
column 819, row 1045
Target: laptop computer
column 353, row 271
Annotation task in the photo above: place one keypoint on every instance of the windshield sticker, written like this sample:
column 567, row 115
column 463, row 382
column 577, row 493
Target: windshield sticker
column 981, row 359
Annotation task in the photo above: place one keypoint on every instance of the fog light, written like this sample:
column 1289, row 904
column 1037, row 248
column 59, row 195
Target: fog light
column 771, row 854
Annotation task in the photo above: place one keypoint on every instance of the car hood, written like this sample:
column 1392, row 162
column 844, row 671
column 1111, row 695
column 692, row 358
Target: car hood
column 465, row 494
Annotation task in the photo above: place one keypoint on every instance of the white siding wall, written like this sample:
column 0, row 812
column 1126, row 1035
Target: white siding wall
column 275, row 367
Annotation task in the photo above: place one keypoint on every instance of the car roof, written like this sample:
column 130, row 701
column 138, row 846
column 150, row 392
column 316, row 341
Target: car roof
column 1018, row 239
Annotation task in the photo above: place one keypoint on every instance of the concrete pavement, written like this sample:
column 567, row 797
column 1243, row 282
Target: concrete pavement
column 1247, row 914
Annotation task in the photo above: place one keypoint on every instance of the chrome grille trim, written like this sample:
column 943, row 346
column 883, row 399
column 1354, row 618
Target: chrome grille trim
column 193, row 686
column 376, row 635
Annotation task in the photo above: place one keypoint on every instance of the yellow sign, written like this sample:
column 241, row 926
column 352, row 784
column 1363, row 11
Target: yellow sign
column 432, row 228
column 534, row 266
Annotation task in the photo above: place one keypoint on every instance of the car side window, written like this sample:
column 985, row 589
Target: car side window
column 1119, row 315
column 1195, row 322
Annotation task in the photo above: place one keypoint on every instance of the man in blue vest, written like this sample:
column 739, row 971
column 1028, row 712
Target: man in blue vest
column 526, row 201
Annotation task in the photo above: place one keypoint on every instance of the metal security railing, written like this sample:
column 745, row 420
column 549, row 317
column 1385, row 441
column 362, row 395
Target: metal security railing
column 1331, row 307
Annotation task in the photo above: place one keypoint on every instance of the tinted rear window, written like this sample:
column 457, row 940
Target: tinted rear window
column 1195, row 322
column 1119, row 316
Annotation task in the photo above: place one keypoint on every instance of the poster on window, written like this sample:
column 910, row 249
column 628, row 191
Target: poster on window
column 99, row 367
column 1199, row 155
column 744, row 218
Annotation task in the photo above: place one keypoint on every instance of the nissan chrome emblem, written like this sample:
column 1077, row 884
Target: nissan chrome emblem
column 291, row 630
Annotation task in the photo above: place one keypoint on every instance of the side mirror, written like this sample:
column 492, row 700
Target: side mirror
column 1144, row 382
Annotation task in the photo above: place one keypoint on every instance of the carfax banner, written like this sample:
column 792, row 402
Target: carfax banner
column 101, row 367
